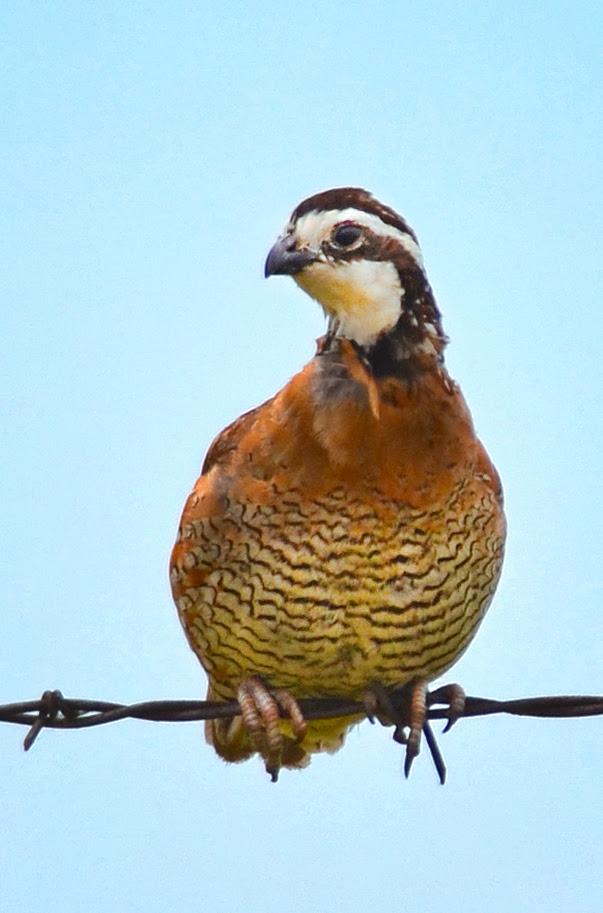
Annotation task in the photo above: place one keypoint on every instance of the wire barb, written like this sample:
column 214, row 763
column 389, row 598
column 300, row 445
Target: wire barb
column 50, row 706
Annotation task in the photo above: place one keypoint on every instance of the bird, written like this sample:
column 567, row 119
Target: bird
column 346, row 537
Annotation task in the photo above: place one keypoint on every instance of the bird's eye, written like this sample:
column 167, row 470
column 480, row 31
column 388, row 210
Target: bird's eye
column 346, row 234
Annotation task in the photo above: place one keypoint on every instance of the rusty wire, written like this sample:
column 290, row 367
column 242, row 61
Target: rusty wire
column 54, row 711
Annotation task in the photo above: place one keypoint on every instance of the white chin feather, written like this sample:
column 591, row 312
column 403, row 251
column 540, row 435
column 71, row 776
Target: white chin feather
column 363, row 296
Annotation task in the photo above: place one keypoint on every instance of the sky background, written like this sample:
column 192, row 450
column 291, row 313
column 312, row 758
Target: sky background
column 149, row 153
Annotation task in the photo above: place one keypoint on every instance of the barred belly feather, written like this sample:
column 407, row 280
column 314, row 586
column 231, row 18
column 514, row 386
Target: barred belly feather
column 324, row 574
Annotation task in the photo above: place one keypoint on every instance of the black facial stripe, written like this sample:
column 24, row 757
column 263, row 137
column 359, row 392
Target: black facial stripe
column 376, row 247
column 352, row 198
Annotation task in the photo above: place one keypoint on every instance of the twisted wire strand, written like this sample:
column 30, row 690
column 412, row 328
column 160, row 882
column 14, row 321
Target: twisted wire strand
column 54, row 711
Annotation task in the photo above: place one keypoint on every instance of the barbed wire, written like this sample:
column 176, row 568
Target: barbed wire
column 54, row 711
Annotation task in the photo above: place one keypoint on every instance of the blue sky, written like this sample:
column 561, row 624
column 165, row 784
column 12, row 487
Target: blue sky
column 149, row 154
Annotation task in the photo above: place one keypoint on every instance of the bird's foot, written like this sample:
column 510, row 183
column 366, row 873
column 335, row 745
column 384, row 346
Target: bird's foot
column 261, row 713
column 407, row 710
column 408, row 715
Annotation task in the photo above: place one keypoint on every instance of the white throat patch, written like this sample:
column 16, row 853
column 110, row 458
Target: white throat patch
column 363, row 297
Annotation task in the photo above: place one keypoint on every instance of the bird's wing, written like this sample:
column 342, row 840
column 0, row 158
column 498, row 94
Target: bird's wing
column 228, row 439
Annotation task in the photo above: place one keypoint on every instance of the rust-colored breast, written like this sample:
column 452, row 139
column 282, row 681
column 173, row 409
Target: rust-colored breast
column 340, row 541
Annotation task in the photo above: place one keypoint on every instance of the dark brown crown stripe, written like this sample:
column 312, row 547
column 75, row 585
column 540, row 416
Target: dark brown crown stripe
column 352, row 198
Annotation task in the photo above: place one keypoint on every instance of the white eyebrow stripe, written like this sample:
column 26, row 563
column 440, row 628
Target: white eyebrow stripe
column 315, row 227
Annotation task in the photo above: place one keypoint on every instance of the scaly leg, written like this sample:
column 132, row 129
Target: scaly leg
column 416, row 721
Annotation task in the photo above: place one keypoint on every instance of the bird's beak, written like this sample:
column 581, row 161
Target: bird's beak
column 285, row 260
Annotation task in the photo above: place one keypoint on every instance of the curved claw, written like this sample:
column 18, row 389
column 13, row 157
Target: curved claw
column 288, row 703
column 436, row 754
column 452, row 695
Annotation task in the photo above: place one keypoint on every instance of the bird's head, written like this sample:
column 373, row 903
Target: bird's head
column 362, row 262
